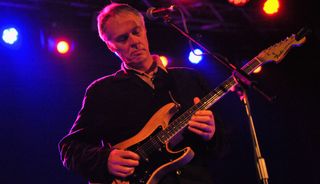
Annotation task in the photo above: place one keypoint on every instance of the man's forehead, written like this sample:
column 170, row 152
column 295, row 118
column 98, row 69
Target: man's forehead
column 122, row 23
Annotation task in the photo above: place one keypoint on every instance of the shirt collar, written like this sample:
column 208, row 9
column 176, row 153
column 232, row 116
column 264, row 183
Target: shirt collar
column 156, row 60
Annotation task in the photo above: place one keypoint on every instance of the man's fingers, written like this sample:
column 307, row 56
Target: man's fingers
column 204, row 113
column 206, row 120
column 124, row 169
column 129, row 163
column 121, row 163
column 124, row 158
column 129, row 155
column 204, row 135
column 200, row 126
column 124, row 172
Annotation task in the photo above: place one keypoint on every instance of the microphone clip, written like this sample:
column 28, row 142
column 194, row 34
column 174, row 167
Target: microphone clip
column 244, row 81
column 156, row 13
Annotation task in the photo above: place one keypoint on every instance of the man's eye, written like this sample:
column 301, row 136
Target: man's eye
column 136, row 32
column 122, row 38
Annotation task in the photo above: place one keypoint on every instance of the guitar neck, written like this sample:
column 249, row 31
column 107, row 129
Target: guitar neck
column 206, row 102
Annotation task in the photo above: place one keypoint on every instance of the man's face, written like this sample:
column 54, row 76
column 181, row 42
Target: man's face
column 126, row 36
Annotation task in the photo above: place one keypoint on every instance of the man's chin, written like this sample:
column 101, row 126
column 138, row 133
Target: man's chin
column 138, row 58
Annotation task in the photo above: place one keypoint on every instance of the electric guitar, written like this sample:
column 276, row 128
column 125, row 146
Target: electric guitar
column 152, row 142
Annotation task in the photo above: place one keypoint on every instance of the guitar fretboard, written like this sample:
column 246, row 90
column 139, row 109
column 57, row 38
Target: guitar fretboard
column 206, row 102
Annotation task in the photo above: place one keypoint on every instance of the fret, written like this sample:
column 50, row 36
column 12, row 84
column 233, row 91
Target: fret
column 251, row 66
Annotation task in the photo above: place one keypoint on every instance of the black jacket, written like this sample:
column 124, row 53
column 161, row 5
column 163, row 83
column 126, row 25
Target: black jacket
column 116, row 107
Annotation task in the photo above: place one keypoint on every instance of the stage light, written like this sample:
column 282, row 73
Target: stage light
column 164, row 60
column 63, row 47
column 271, row 7
column 10, row 35
column 196, row 56
column 238, row 2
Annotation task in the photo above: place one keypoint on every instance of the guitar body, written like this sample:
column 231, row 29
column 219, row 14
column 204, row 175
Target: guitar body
column 156, row 158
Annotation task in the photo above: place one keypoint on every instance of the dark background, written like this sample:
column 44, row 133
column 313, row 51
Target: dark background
column 41, row 92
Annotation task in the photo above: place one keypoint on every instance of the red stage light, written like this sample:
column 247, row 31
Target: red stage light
column 238, row 2
column 271, row 7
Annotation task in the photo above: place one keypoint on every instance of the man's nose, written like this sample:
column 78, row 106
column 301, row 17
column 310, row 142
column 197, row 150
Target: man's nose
column 134, row 41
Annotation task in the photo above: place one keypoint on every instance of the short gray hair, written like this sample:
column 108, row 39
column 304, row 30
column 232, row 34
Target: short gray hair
column 110, row 11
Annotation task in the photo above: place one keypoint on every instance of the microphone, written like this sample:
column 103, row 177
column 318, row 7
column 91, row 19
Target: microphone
column 155, row 13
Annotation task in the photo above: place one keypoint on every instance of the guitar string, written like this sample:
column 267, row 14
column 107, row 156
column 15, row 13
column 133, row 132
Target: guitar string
column 152, row 144
column 202, row 105
column 149, row 147
column 247, row 68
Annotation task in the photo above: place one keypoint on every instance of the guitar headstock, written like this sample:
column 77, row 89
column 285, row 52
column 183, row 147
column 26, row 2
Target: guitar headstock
column 278, row 51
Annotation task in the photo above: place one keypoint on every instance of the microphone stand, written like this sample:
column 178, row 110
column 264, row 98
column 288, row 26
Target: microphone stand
column 260, row 162
column 240, row 73
column 242, row 79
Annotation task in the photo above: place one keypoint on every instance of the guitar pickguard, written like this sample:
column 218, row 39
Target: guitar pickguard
column 153, row 154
